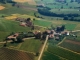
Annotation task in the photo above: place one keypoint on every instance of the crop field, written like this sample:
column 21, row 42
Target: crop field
column 68, row 25
column 71, row 45
column 57, row 7
column 13, row 16
column 63, row 53
column 29, row 45
column 42, row 23
column 50, row 56
column 10, row 54
column 65, row 11
column 15, row 10
column 72, row 42
column 50, row 3
column 31, row 2
column 55, row 49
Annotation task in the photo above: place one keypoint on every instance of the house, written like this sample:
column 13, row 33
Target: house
column 12, row 37
column 23, row 24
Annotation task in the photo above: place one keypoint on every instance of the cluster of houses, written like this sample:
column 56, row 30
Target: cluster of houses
column 52, row 34
column 41, row 35
column 25, row 22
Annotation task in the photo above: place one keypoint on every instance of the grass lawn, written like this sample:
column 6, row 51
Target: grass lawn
column 31, row 45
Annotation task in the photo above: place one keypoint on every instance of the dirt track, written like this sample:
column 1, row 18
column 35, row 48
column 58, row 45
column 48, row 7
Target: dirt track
column 73, row 42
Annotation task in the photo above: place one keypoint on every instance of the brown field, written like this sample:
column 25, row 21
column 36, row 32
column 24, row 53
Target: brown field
column 32, row 2
column 73, row 42
column 2, row 7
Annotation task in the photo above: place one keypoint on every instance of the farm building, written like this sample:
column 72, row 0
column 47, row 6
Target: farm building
column 13, row 36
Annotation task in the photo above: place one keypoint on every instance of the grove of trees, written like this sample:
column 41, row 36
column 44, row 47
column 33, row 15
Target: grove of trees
column 69, row 16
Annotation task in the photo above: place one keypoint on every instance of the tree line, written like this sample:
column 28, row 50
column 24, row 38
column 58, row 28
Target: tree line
column 69, row 16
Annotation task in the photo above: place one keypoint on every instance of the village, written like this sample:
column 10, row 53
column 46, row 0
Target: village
column 56, row 34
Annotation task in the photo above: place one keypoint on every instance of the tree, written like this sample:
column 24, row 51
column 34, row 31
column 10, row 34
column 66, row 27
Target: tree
column 72, row 1
column 62, row 27
column 65, row 18
column 61, row 7
column 32, row 28
column 58, row 29
column 19, row 38
column 72, row 18
column 38, row 35
column 3, row 1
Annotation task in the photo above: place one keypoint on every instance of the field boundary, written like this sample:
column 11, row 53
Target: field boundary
column 69, row 50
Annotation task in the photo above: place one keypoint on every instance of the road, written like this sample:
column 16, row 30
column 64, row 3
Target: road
column 43, row 48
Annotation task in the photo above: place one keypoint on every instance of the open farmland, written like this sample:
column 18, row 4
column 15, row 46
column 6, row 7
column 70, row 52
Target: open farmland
column 68, row 24
column 63, row 53
column 10, row 54
column 64, row 48
column 31, row 45
column 8, row 27
column 72, row 42
column 14, row 16
column 71, row 45
column 31, row 2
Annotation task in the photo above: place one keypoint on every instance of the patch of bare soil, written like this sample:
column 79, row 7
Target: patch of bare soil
column 2, row 7
column 73, row 42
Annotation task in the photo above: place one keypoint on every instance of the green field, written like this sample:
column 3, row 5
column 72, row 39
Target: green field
column 17, row 10
column 31, row 45
column 71, row 46
column 63, row 53
column 42, row 23
column 47, row 23
column 8, row 27
column 50, row 56
column 26, row 49
column 72, row 42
